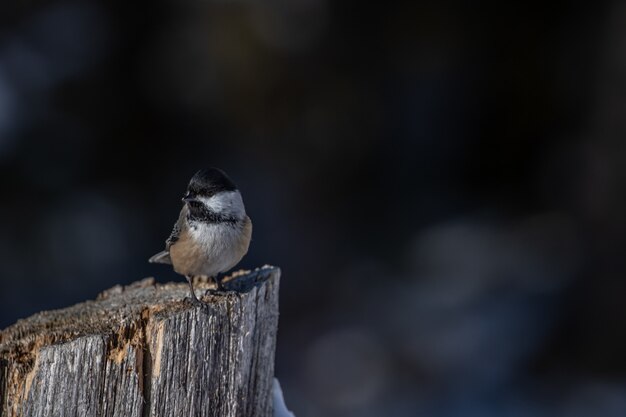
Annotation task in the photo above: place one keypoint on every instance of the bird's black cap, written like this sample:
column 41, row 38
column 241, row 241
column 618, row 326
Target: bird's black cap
column 210, row 181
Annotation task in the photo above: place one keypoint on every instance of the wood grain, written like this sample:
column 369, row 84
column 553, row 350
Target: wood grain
column 145, row 350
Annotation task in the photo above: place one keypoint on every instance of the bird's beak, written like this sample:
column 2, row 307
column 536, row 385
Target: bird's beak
column 189, row 197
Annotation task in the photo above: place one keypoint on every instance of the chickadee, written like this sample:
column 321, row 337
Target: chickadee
column 212, row 233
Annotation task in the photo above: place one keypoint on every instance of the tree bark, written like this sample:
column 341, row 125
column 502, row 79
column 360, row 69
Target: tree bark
column 146, row 350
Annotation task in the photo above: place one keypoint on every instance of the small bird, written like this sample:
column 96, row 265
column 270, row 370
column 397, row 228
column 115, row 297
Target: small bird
column 212, row 233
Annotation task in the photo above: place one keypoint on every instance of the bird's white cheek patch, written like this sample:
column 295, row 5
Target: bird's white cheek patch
column 225, row 202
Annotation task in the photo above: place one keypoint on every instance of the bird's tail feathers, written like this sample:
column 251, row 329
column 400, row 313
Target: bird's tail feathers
column 161, row 258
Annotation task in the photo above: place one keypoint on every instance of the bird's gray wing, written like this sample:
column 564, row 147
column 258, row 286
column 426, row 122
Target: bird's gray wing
column 164, row 256
column 178, row 228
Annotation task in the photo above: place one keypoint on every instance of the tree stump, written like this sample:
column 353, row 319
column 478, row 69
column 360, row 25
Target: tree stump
column 146, row 350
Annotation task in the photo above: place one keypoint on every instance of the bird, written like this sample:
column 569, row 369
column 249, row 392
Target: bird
column 212, row 233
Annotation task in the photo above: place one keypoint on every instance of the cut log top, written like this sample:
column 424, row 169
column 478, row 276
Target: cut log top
column 145, row 349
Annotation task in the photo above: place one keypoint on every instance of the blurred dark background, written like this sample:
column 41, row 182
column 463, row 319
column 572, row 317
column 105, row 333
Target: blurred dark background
column 441, row 183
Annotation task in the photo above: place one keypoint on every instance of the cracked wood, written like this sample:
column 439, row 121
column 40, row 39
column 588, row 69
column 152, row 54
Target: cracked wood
column 145, row 350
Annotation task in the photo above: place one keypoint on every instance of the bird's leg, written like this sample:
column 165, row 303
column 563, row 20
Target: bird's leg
column 218, row 282
column 194, row 299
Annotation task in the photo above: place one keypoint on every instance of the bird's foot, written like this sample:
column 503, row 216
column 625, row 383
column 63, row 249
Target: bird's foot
column 194, row 299
column 218, row 283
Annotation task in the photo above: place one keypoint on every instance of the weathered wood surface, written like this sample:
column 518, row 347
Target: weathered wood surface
column 145, row 350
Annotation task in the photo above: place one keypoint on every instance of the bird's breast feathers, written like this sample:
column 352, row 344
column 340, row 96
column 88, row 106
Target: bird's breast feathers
column 210, row 248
